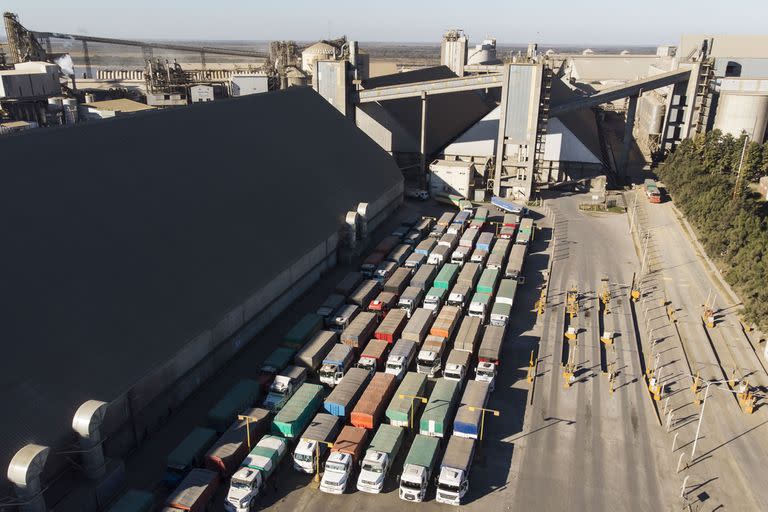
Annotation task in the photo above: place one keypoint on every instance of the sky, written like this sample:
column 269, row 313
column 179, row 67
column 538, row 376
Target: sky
column 579, row 22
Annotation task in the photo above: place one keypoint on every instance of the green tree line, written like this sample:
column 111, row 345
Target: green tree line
column 701, row 176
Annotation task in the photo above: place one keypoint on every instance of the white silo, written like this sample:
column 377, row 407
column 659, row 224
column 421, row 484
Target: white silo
column 484, row 53
column 743, row 107
column 315, row 52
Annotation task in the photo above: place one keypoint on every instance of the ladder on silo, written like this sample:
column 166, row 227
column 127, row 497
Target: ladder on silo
column 541, row 122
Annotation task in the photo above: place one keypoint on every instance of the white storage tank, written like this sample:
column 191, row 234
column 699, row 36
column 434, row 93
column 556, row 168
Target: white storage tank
column 737, row 113
column 484, row 53
column 315, row 52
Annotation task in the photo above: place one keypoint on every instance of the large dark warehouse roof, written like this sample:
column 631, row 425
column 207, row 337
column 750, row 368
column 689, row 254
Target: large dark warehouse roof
column 122, row 239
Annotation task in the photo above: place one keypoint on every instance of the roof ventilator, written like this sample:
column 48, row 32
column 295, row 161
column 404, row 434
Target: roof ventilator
column 87, row 424
column 24, row 472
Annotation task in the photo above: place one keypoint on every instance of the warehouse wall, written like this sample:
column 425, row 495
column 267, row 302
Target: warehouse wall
column 133, row 415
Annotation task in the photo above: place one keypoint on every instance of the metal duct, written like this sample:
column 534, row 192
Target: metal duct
column 24, row 472
column 351, row 221
column 87, row 424
column 362, row 210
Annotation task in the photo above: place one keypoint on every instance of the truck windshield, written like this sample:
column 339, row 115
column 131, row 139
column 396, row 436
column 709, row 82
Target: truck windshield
column 393, row 366
column 485, row 373
column 336, row 467
column 447, row 487
column 239, row 484
column 373, row 468
column 414, row 486
column 426, row 362
column 302, row 457
column 329, row 374
column 451, row 375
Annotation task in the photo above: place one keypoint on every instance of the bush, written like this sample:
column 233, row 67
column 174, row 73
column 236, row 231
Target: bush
column 701, row 175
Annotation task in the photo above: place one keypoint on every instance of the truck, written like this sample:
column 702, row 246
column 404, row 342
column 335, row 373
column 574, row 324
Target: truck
column 465, row 205
column 446, row 322
column 527, row 226
column 258, row 466
column 374, row 399
column 511, row 220
column 468, row 416
column 507, row 233
column 415, row 261
column 523, row 239
column 277, row 360
column 469, row 238
column 484, row 241
column 514, row 268
column 424, row 277
column 434, row 299
column 479, row 256
column 459, row 295
column 450, row 240
column 412, row 237
column 349, row 283
column 333, row 302
column 437, row 232
column 447, row 276
column 481, row 213
column 505, row 299
column 488, row 281
column 423, row 226
column 469, row 274
column 425, row 246
column 439, row 255
column 430, row 359
column 398, row 282
column 459, row 222
column 294, row 417
column 410, row 300
column 386, row 244
column 479, row 305
column 335, row 364
column 379, row 457
column 508, row 206
column 498, row 254
column 468, row 334
column 437, row 417
column 312, row 354
column 343, row 398
column 489, row 354
column 460, row 255
column 341, row 463
column 389, row 329
column 360, row 330
column 372, row 358
column 365, row 293
column 399, row 254
column 371, row 263
column 418, row 326
column 453, row 479
column 445, row 219
column 418, row 467
column 195, row 491
column 343, row 317
column 417, row 193
column 240, row 396
column 229, row 450
column 652, row 191
column 402, row 405
column 400, row 358
column 283, row 387
column 457, row 365
column 382, row 303
column 384, row 271
column 188, row 454
column 323, row 427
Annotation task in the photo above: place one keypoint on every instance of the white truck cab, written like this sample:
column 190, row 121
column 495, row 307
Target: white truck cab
column 244, row 487
column 304, row 456
column 486, row 372
column 280, row 391
column 338, row 469
column 373, row 472
column 452, row 485
column 413, row 483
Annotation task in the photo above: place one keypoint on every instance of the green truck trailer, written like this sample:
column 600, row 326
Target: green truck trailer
column 437, row 417
column 488, row 280
column 303, row 330
column 295, row 415
column 447, row 276
column 242, row 395
column 400, row 409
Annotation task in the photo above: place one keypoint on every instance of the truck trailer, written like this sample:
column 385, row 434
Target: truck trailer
column 344, row 396
column 370, row 407
column 437, row 418
column 294, row 417
column 229, row 450
column 335, row 364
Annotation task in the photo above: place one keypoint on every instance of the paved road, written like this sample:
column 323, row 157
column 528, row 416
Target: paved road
column 585, row 448
column 732, row 447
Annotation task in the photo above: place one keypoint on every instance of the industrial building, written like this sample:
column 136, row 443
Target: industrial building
column 142, row 252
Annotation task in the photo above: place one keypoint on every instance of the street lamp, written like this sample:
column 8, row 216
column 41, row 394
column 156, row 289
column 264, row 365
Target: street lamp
column 482, row 416
column 317, row 454
column 701, row 414
column 413, row 398
column 248, row 420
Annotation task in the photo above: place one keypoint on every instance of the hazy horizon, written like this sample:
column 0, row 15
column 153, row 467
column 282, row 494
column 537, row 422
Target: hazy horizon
column 654, row 23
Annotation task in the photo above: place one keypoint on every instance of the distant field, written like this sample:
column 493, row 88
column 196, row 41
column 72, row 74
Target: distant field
column 403, row 53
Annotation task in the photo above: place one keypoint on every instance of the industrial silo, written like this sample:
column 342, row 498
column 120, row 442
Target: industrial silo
column 743, row 107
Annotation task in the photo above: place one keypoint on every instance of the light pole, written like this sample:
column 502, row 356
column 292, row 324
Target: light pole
column 482, row 416
column 248, row 420
column 317, row 454
column 701, row 414
column 413, row 398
